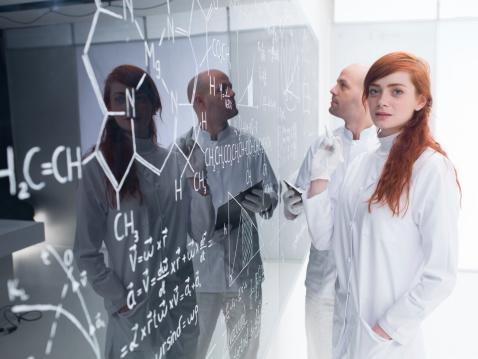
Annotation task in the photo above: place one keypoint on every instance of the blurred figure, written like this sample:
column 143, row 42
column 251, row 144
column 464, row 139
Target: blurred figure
column 242, row 184
column 357, row 136
column 147, row 282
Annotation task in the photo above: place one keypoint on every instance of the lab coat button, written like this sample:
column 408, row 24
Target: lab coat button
column 349, row 259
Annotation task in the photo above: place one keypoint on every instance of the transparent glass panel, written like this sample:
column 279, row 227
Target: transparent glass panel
column 141, row 177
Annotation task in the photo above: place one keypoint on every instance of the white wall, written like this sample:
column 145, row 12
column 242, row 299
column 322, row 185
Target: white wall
column 320, row 17
column 456, row 121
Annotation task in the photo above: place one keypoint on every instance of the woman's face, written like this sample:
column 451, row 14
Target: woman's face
column 143, row 109
column 392, row 101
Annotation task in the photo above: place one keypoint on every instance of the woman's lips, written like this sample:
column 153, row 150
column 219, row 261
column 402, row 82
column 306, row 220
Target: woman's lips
column 382, row 115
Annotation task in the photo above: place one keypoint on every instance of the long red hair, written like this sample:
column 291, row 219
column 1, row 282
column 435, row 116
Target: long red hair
column 415, row 136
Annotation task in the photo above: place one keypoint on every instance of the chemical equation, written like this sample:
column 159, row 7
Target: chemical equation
column 230, row 154
column 68, row 156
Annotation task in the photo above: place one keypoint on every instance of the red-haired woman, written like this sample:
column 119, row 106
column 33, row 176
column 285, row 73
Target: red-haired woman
column 147, row 283
column 394, row 235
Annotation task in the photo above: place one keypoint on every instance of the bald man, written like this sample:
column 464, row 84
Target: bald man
column 356, row 136
column 229, row 267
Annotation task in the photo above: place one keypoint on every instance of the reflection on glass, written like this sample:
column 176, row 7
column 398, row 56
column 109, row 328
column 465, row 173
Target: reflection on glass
column 175, row 216
column 242, row 184
column 142, row 219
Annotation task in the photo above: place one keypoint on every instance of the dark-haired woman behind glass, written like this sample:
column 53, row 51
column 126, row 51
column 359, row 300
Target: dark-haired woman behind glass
column 147, row 282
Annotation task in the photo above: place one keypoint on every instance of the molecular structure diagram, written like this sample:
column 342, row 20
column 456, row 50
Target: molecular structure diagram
column 74, row 285
column 128, row 16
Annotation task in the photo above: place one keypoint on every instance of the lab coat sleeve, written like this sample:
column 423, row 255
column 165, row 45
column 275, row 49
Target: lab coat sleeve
column 90, row 233
column 320, row 219
column 436, row 206
column 303, row 177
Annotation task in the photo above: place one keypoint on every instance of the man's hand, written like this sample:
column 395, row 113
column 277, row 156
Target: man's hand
column 326, row 159
column 257, row 201
column 292, row 202
column 380, row 332
column 199, row 186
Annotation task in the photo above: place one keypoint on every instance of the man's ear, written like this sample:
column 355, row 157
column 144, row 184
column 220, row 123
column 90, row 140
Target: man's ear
column 199, row 103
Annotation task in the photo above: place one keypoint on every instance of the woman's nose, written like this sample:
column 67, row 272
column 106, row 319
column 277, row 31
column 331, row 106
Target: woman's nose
column 382, row 100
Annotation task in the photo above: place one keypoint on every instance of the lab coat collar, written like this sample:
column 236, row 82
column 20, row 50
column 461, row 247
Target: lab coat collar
column 386, row 143
column 366, row 134
column 206, row 137
column 144, row 145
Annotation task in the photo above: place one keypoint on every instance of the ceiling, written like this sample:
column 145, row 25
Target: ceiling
column 64, row 11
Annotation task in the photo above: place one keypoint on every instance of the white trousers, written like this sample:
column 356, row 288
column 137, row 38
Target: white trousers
column 319, row 313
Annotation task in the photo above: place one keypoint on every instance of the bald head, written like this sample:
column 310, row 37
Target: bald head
column 210, row 93
column 199, row 84
column 356, row 73
column 347, row 93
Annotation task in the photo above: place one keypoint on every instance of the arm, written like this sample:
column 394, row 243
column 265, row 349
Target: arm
column 273, row 191
column 90, row 233
column 263, row 200
column 435, row 212
column 318, row 205
column 201, row 213
column 319, row 212
column 293, row 204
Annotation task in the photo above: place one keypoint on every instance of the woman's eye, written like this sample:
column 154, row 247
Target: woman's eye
column 397, row 92
column 372, row 91
column 120, row 100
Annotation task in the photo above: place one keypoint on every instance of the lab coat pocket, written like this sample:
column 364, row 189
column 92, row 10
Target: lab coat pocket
column 135, row 312
column 368, row 344
column 129, row 326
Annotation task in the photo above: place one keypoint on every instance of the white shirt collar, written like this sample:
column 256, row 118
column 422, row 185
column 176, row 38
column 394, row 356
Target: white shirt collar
column 366, row 134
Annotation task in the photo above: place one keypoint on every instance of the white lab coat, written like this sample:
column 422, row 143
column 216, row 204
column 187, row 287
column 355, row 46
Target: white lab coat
column 391, row 270
column 234, row 162
column 158, row 210
column 320, row 276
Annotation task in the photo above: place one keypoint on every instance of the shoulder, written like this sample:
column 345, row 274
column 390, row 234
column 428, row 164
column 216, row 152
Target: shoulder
column 94, row 167
column 432, row 162
column 339, row 131
column 435, row 174
column 238, row 134
column 172, row 157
